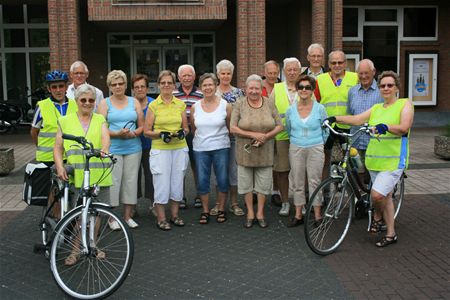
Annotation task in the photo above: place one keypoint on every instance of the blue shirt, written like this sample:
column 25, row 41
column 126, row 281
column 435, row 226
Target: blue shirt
column 146, row 142
column 123, row 118
column 307, row 133
column 360, row 100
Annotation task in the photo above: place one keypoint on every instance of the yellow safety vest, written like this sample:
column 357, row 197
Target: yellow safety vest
column 333, row 97
column 282, row 104
column 391, row 152
column 47, row 134
column 70, row 124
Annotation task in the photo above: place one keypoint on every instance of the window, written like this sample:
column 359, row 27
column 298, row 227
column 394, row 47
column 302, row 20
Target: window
column 419, row 22
column 350, row 22
column 25, row 49
column 380, row 15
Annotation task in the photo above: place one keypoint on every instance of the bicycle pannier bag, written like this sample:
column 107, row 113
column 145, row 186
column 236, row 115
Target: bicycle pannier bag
column 36, row 184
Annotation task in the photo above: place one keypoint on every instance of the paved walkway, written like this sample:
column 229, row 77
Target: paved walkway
column 225, row 261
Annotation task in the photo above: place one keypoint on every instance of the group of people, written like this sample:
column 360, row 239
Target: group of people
column 265, row 139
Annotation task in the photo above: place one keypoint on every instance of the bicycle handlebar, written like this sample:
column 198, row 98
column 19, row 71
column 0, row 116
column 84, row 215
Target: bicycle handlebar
column 364, row 128
column 88, row 146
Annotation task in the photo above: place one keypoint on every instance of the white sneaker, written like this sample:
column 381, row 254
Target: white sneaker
column 114, row 225
column 132, row 224
column 284, row 211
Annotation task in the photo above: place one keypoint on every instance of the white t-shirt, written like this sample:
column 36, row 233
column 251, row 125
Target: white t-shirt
column 211, row 128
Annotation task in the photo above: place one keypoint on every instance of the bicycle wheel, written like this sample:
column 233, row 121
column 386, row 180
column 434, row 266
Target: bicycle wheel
column 398, row 194
column 105, row 266
column 337, row 198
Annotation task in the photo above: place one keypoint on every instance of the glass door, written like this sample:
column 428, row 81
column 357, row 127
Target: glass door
column 148, row 62
column 175, row 57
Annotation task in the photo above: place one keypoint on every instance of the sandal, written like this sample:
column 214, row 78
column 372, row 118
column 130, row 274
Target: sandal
column 221, row 216
column 387, row 240
column 100, row 254
column 204, row 218
column 249, row 223
column 262, row 223
column 163, row 225
column 236, row 210
column 214, row 211
column 377, row 226
column 177, row 221
column 72, row 259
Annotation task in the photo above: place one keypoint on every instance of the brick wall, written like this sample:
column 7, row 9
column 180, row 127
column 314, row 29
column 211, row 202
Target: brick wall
column 103, row 10
column 250, row 38
column 64, row 33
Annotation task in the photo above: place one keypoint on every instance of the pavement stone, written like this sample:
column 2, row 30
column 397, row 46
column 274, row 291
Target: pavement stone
column 226, row 261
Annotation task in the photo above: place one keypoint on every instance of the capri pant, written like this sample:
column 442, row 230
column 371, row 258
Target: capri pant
column 124, row 178
column 168, row 168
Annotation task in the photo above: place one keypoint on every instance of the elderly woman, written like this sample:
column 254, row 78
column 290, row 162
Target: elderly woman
column 255, row 121
column 210, row 120
column 139, row 84
column 304, row 126
column 231, row 94
column 126, row 121
column 94, row 128
column 387, row 158
column 166, row 123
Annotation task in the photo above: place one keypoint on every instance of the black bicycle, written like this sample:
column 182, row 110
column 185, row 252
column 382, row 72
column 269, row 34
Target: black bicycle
column 339, row 195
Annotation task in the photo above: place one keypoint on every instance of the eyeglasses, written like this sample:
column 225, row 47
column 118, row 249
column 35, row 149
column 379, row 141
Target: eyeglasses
column 166, row 83
column 337, row 62
column 304, row 87
column 140, row 87
column 388, row 85
column 57, row 86
column 117, row 84
column 84, row 100
column 79, row 74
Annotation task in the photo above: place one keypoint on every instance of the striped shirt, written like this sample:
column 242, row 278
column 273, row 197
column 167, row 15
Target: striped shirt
column 188, row 99
column 360, row 100
column 37, row 119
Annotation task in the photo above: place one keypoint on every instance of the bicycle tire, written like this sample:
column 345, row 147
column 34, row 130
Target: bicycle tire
column 325, row 236
column 49, row 220
column 92, row 277
column 398, row 194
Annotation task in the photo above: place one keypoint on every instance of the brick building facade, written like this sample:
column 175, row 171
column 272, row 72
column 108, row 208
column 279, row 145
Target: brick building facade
column 149, row 35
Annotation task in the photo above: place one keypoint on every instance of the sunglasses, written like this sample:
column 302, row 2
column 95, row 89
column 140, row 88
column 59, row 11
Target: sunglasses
column 337, row 62
column 117, row 84
column 304, row 87
column 84, row 100
column 388, row 85
column 166, row 83
column 57, row 86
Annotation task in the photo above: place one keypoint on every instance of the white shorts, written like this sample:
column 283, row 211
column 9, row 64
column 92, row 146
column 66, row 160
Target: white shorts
column 168, row 168
column 385, row 181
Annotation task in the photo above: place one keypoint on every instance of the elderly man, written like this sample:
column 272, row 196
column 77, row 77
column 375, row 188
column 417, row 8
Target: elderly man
column 332, row 92
column 271, row 72
column 78, row 74
column 315, row 59
column 189, row 93
column 284, row 94
column 361, row 97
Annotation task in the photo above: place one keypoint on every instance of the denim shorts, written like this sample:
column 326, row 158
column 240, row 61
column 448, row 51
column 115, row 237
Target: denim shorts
column 203, row 162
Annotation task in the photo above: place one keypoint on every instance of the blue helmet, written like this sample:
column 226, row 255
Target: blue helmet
column 56, row 75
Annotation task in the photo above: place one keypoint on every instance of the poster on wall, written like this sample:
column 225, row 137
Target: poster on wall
column 422, row 78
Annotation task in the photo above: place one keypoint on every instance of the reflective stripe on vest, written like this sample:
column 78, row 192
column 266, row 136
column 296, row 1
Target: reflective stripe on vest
column 47, row 134
column 390, row 152
column 282, row 104
column 335, row 98
column 75, row 157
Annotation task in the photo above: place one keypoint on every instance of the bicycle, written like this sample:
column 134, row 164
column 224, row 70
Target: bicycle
column 104, row 257
column 341, row 192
